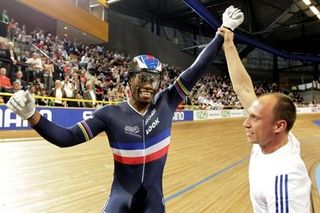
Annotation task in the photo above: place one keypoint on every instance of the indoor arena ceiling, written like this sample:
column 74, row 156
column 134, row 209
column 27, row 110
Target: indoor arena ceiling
column 285, row 24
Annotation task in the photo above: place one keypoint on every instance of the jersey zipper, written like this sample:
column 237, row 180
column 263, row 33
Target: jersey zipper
column 144, row 151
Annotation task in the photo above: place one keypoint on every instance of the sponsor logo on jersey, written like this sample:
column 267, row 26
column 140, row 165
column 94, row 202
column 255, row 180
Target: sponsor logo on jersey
column 132, row 130
column 150, row 116
column 152, row 126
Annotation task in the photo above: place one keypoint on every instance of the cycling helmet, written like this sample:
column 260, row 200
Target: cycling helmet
column 147, row 68
column 146, row 63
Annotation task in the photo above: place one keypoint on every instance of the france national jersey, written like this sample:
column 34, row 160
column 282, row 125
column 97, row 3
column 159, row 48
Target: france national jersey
column 279, row 181
column 139, row 142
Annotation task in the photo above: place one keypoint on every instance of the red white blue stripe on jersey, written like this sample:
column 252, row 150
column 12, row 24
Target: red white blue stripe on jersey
column 281, row 194
column 139, row 153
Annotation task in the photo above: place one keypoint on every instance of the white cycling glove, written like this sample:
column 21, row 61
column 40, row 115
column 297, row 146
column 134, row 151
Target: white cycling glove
column 22, row 103
column 232, row 18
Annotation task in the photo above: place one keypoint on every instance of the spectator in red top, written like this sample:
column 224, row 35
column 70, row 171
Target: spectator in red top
column 5, row 83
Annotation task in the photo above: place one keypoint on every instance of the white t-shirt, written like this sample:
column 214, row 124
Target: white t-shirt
column 279, row 181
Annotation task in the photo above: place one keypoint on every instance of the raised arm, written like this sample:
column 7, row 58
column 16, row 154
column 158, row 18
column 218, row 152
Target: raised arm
column 240, row 79
column 22, row 103
column 232, row 18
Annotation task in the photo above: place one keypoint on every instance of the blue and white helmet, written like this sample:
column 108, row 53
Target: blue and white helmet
column 146, row 63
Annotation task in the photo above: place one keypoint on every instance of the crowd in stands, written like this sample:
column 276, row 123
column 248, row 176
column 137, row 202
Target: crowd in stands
column 62, row 68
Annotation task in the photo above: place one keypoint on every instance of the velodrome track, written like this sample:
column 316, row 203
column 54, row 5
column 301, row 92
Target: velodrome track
column 206, row 169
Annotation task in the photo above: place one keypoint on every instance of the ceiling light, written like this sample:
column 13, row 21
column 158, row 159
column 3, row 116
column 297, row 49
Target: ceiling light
column 65, row 28
column 318, row 16
column 307, row 2
column 314, row 10
column 112, row 1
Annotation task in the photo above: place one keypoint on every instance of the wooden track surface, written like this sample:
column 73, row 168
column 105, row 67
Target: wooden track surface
column 206, row 170
column 309, row 135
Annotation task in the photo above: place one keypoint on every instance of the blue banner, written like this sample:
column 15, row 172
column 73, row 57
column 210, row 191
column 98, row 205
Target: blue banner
column 63, row 116
column 183, row 116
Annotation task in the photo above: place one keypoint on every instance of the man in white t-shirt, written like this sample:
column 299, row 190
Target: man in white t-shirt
column 279, row 180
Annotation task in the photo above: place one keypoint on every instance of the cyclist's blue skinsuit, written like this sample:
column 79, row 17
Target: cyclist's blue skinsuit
column 139, row 142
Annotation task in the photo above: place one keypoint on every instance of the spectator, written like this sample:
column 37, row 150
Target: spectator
column 78, row 103
column 84, row 61
column 58, row 92
column 35, row 69
column 11, row 29
column 19, row 76
column 5, row 83
column 32, row 90
column 43, row 101
column 89, row 94
column 4, row 16
column 48, row 70
column 24, row 68
column 16, row 86
column 4, row 19
column 13, row 61
column 68, row 87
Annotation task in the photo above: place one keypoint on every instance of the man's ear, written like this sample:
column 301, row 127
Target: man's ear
column 280, row 126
